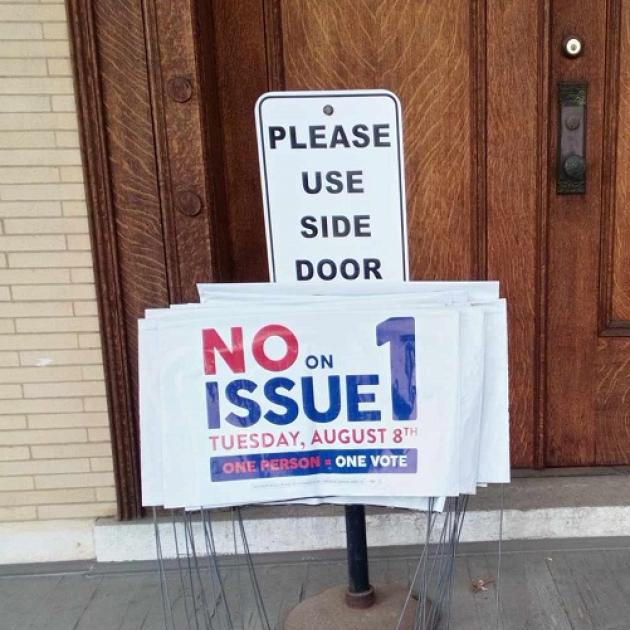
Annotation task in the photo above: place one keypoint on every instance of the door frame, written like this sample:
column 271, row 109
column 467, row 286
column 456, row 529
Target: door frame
column 141, row 187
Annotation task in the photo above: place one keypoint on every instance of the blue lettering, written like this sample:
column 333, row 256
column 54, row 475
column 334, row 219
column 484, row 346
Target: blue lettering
column 271, row 392
column 334, row 397
column 400, row 334
column 279, row 391
column 355, row 398
column 252, row 407
column 212, row 405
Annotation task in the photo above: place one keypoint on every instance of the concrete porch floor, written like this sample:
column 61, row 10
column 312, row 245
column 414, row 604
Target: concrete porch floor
column 572, row 584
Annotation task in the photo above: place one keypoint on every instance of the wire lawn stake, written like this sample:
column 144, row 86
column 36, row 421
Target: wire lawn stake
column 197, row 591
column 201, row 591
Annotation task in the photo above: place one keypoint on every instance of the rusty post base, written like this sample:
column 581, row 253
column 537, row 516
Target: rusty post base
column 361, row 600
column 329, row 611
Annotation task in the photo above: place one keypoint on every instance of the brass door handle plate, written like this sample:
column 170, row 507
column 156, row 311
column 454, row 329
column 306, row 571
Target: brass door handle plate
column 571, row 166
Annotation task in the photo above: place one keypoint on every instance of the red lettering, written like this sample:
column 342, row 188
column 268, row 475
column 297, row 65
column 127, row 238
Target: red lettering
column 234, row 357
column 258, row 347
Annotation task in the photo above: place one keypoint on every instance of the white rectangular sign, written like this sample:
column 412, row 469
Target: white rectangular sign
column 277, row 405
column 482, row 358
column 332, row 172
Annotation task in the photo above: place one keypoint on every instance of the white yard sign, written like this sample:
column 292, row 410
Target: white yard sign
column 333, row 183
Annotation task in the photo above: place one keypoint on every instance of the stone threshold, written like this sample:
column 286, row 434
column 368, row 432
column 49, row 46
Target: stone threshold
column 554, row 504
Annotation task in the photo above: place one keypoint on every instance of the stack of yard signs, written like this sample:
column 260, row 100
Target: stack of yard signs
column 384, row 394
column 339, row 382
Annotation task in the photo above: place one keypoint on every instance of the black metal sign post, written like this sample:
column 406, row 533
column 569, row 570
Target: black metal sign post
column 360, row 593
column 280, row 119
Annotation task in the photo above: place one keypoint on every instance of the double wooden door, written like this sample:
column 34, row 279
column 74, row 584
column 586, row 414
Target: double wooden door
column 173, row 175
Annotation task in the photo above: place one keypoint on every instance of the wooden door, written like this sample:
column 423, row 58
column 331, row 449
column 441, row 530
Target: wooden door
column 453, row 66
column 588, row 253
column 479, row 86
column 474, row 125
column 167, row 116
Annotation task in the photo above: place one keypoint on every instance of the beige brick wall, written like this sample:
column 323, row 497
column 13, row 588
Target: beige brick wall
column 55, row 456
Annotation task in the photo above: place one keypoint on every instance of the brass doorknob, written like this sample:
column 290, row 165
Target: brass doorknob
column 574, row 167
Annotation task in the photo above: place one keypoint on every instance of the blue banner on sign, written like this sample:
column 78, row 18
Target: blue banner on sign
column 300, row 463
